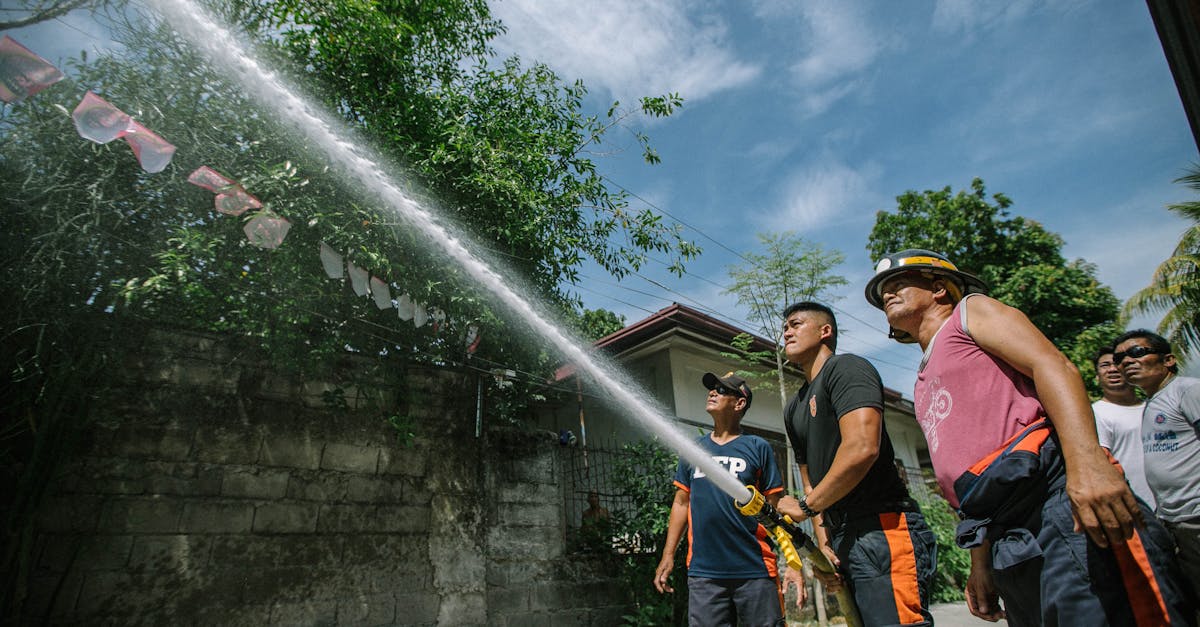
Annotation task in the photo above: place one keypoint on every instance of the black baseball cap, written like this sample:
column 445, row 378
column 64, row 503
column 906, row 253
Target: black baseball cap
column 732, row 382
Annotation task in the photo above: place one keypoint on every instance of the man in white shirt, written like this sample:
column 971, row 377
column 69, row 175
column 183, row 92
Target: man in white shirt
column 1170, row 439
column 1119, row 422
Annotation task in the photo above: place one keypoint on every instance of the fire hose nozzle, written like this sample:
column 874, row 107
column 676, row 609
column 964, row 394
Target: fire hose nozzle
column 788, row 537
column 780, row 526
column 754, row 505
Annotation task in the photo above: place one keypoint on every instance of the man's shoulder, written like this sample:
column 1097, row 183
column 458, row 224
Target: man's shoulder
column 848, row 366
column 1177, row 388
column 1188, row 383
column 849, row 362
column 750, row 439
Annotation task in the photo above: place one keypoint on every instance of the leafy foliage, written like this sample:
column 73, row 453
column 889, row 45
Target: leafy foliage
column 597, row 323
column 1175, row 288
column 100, row 243
column 504, row 150
column 1019, row 259
column 644, row 473
column 953, row 563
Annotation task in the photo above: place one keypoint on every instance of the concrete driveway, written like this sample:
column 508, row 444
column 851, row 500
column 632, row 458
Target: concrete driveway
column 956, row 615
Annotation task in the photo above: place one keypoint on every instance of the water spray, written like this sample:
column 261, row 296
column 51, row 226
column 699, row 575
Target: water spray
column 269, row 89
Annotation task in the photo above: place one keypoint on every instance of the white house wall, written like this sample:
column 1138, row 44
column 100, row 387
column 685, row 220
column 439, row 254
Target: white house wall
column 688, row 365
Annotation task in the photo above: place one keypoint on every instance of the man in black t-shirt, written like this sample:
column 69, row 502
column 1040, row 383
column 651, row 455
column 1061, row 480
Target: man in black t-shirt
column 864, row 520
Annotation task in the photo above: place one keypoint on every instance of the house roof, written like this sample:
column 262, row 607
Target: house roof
column 677, row 316
column 1178, row 26
column 699, row 326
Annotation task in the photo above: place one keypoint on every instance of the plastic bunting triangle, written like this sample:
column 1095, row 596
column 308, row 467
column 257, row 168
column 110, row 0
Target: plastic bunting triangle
column 358, row 279
column 404, row 307
column 153, row 152
column 331, row 262
column 99, row 121
column 22, row 72
column 381, row 293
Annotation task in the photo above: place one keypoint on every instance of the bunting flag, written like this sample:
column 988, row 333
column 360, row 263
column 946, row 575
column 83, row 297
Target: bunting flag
column 267, row 230
column 358, row 279
column 364, row 283
column 404, row 307
column 236, row 201
column 381, row 293
column 438, row 317
column 209, row 179
column 22, row 72
column 331, row 262
column 231, row 198
column 153, row 152
column 99, row 121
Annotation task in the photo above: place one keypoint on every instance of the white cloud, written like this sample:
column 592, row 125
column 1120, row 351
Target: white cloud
column 970, row 16
column 625, row 47
column 822, row 193
column 838, row 43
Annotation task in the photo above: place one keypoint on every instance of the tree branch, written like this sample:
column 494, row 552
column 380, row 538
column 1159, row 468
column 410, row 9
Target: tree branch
column 44, row 15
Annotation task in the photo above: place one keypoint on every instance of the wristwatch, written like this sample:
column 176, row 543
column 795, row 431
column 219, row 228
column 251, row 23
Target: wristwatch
column 808, row 511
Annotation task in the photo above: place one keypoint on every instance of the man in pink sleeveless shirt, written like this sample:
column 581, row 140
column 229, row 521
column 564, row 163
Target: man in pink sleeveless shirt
column 1071, row 545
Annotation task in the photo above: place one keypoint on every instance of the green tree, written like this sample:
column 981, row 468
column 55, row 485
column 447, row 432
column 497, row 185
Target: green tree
column 1019, row 259
column 598, row 323
column 105, row 250
column 504, row 151
column 35, row 12
column 1175, row 288
column 788, row 270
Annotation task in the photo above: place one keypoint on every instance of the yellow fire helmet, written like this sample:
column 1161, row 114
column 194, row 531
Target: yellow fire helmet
column 930, row 265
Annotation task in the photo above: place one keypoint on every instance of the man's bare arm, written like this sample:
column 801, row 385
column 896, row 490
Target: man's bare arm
column 1102, row 503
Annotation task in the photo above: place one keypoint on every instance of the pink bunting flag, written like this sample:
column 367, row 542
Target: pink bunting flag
column 231, row 198
column 236, row 201
column 420, row 315
column 209, row 179
column 267, row 230
column 23, row 73
column 153, row 152
column 99, row 121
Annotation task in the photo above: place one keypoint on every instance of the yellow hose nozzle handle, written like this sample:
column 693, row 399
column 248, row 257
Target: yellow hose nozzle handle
column 783, row 539
column 784, row 542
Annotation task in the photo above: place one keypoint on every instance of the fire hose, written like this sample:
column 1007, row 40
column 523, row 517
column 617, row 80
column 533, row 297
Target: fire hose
column 793, row 544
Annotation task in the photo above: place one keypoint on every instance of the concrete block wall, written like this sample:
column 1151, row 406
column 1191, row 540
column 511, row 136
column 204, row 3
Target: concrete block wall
column 209, row 494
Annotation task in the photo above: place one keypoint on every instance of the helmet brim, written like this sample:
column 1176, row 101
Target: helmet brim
column 968, row 283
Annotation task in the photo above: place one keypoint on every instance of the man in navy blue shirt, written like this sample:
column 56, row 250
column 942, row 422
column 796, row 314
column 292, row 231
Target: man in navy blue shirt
column 732, row 576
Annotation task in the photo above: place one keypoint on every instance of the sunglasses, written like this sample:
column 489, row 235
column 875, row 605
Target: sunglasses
column 1133, row 353
column 724, row 391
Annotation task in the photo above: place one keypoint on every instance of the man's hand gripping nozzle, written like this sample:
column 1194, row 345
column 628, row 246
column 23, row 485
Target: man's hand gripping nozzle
column 793, row 543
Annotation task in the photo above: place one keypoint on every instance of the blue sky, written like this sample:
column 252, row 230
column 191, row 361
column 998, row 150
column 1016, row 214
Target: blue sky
column 812, row 116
